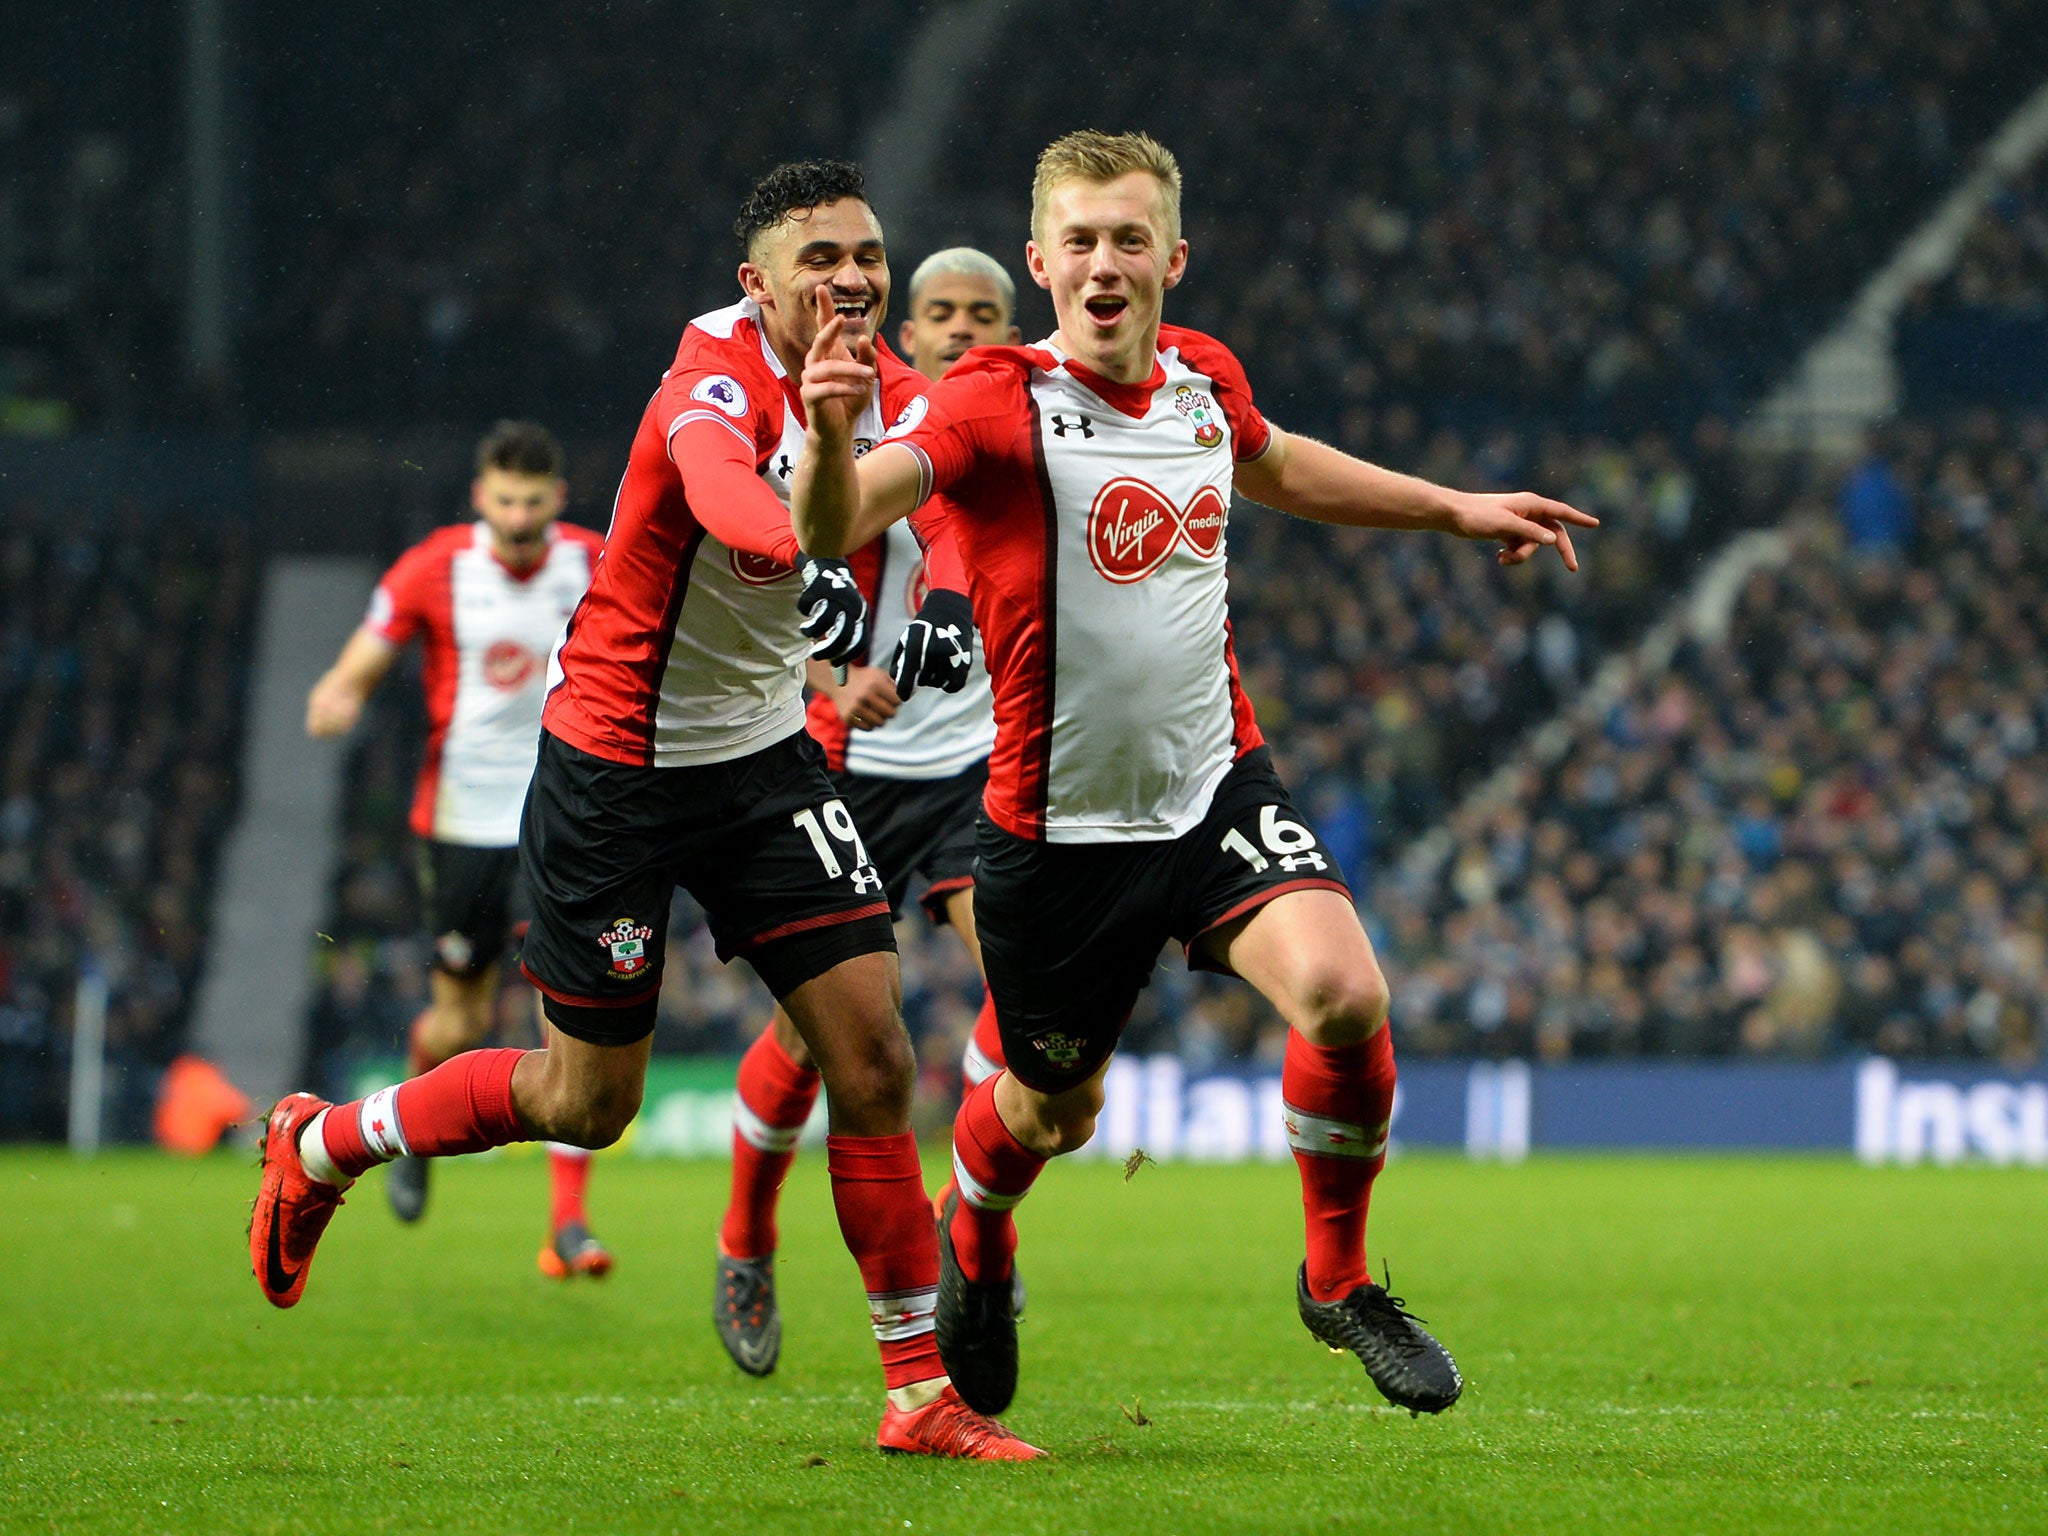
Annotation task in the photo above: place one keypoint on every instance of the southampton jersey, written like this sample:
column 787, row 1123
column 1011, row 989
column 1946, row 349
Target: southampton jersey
column 686, row 649
column 487, row 633
column 1090, row 516
column 935, row 735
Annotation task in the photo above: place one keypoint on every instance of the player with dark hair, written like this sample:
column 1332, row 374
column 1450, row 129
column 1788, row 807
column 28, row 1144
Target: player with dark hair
column 911, row 763
column 1131, row 798
column 673, row 753
column 487, row 600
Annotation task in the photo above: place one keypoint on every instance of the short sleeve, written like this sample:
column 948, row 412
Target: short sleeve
column 400, row 606
column 1250, row 435
column 711, row 381
column 971, row 414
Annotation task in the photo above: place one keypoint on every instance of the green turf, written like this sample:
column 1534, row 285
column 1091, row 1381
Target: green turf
column 1652, row 1345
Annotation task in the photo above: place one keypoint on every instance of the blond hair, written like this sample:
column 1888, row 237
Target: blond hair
column 1101, row 158
column 965, row 261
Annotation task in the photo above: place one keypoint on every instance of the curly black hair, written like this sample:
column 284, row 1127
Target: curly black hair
column 792, row 188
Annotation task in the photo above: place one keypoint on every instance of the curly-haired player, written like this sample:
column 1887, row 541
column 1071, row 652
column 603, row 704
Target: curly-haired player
column 673, row 753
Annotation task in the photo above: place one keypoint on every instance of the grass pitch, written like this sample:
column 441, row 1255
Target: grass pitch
column 1651, row 1345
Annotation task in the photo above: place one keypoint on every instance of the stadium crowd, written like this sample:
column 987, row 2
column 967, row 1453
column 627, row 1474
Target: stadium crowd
column 1582, row 206
column 521, row 239
column 123, row 659
column 2003, row 264
column 1824, row 830
column 1590, row 208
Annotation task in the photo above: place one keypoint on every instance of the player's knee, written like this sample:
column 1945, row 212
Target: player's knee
column 1343, row 1007
column 878, row 1074
column 595, row 1115
column 1069, row 1120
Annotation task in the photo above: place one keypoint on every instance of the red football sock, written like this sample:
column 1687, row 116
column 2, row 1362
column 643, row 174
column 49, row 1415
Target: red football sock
column 993, row 1170
column 568, row 1176
column 774, row 1100
column 983, row 1058
column 463, row 1105
column 878, row 1191
column 1338, row 1100
column 418, row 1059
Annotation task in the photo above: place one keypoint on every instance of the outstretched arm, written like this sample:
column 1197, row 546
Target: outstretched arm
column 1309, row 479
column 835, row 504
column 337, row 700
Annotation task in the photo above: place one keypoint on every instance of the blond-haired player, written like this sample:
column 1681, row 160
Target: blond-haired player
column 1089, row 479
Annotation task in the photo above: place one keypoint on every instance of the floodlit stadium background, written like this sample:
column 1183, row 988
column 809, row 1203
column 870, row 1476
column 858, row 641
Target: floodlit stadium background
column 1736, row 840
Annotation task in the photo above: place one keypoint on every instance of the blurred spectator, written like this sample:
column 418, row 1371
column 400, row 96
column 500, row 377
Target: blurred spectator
column 123, row 652
column 1875, row 513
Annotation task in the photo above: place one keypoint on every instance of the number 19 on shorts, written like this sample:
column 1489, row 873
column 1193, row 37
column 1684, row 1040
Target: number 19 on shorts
column 838, row 822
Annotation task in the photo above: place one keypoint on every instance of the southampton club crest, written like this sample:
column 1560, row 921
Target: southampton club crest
column 1194, row 405
column 627, row 942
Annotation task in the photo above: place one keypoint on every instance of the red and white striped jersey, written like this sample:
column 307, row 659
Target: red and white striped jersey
column 486, row 633
column 686, row 648
column 935, row 735
column 1090, row 516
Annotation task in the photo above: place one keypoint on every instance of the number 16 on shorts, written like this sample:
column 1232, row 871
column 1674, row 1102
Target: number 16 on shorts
column 1286, row 840
column 836, row 827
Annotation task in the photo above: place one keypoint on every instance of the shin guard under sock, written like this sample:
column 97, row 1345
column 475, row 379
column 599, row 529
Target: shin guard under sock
column 1338, row 1101
column 771, row 1105
column 878, row 1191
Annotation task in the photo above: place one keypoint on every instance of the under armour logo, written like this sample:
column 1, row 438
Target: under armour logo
column 960, row 657
column 1061, row 426
column 782, row 466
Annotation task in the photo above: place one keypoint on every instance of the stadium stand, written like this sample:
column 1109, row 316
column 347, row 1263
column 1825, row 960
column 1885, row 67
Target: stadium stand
column 524, row 244
column 1621, row 214
column 122, row 675
column 1824, row 832
column 1980, row 333
column 88, row 220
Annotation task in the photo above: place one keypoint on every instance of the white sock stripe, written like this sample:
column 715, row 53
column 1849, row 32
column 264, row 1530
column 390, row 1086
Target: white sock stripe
column 313, row 1153
column 977, row 1066
column 1324, row 1137
column 903, row 1314
column 977, row 1194
column 759, row 1134
column 563, row 1149
column 382, row 1134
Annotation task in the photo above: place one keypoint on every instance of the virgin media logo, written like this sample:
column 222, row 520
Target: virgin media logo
column 1132, row 528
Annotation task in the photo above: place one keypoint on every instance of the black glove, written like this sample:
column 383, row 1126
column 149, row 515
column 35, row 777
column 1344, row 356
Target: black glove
column 937, row 648
column 835, row 614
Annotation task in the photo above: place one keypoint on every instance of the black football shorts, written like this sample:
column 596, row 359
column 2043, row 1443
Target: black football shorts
column 472, row 902
column 765, row 844
column 1070, row 931
column 918, row 828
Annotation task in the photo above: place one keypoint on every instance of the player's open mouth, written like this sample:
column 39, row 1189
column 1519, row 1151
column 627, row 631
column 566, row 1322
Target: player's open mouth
column 852, row 309
column 1107, row 307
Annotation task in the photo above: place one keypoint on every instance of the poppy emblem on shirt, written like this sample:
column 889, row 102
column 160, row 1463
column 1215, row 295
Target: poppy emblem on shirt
column 758, row 570
column 509, row 666
column 1194, row 405
column 1133, row 527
